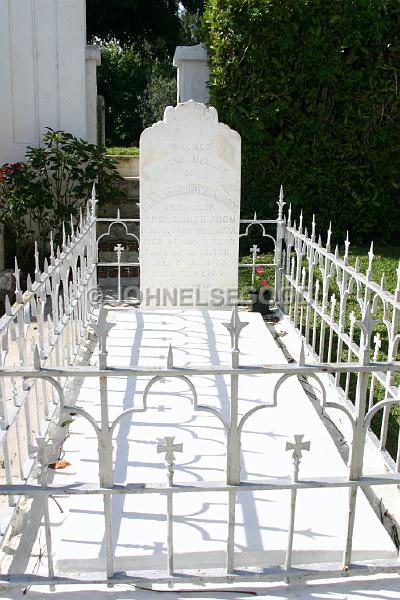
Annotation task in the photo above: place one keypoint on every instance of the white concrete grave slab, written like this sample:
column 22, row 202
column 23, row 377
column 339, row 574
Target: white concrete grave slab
column 200, row 529
column 190, row 209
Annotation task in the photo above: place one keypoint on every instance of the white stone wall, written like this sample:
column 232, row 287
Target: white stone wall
column 43, row 72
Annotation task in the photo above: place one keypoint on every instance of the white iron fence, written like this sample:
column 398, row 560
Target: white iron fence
column 328, row 300
column 234, row 483
column 52, row 315
column 334, row 306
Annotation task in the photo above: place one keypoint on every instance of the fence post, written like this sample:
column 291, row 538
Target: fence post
column 357, row 448
column 280, row 233
column 105, row 440
column 234, row 327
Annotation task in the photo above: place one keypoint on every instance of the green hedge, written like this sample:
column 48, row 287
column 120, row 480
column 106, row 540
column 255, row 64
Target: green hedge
column 313, row 87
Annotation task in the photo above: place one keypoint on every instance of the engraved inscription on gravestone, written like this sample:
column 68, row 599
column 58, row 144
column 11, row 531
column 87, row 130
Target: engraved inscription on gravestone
column 190, row 209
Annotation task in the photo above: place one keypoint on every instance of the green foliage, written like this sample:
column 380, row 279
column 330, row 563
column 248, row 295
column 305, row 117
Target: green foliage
column 123, row 151
column 54, row 183
column 159, row 93
column 137, row 87
column 158, row 22
column 121, row 79
column 312, row 87
column 134, row 21
column 23, row 203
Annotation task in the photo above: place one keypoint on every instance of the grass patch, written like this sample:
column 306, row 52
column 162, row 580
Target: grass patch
column 121, row 151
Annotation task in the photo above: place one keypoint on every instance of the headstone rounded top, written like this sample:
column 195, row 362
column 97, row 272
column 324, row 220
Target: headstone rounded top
column 186, row 116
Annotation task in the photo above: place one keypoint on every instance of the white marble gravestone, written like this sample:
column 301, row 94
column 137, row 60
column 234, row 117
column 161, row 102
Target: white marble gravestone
column 190, row 209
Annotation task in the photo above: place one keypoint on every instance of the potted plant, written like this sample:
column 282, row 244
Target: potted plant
column 260, row 293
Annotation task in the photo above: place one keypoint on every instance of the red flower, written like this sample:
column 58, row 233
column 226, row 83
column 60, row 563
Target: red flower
column 264, row 282
column 259, row 270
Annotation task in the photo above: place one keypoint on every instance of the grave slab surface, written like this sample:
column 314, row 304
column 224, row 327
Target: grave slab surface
column 200, row 527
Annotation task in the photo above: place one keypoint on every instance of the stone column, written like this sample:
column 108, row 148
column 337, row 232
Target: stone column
column 93, row 60
column 193, row 73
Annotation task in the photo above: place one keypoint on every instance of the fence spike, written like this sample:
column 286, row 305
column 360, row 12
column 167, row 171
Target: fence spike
column 289, row 217
column 370, row 258
column 301, row 221
column 7, row 306
column 80, row 220
column 255, row 216
column 37, row 270
column 36, row 358
column 72, row 228
column 313, row 226
column 17, row 276
column 29, row 283
column 93, row 199
column 336, row 251
column 118, row 214
column 52, row 257
column 58, row 253
column 357, row 265
column 280, row 204
column 329, row 236
column 63, row 242
column 319, row 241
column 346, row 248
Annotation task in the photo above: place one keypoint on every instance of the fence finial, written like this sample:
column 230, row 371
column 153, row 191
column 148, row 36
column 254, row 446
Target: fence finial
column 52, row 257
column 7, row 306
column 93, row 199
column 235, row 327
column 346, row 247
column 72, row 228
column 280, row 204
column 313, row 226
column 17, row 274
column 289, row 216
column 64, row 238
column 370, row 259
column 36, row 357
column 328, row 237
column 37, row 270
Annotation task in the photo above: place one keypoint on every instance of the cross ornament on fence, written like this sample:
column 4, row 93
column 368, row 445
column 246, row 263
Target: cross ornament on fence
column 119, row 249
column 297, row 446
column 168, row 447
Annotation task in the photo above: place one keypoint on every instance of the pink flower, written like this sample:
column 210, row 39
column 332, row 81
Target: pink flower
column 264, row 282
column 259, row 270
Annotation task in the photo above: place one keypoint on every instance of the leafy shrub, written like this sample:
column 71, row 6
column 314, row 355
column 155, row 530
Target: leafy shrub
column 54, row 183
column 313, row 89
